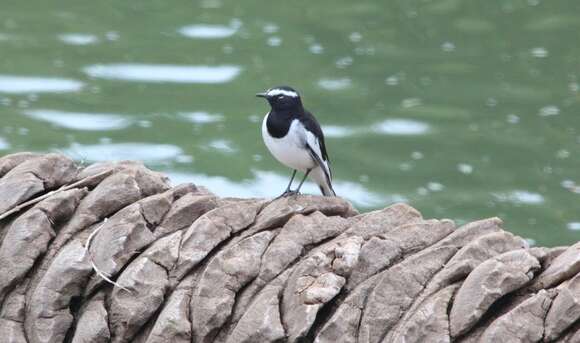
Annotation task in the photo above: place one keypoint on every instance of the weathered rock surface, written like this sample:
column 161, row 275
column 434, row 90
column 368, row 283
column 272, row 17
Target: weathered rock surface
column 189, row 266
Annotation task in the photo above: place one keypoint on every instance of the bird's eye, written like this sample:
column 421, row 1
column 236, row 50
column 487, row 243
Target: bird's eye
column 280, row 97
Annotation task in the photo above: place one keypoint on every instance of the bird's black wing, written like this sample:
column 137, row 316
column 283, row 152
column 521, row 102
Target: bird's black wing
column 311, row 124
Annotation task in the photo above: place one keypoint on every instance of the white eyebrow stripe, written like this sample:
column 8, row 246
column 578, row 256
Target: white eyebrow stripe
column 278, row 91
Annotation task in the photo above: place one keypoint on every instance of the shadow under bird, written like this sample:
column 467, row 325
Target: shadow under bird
column 295, row 139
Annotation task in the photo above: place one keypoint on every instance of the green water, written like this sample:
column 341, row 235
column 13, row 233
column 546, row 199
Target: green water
column 464, row 109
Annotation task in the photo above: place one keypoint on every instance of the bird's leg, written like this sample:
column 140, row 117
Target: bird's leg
column 297, row 191
column 288, row 191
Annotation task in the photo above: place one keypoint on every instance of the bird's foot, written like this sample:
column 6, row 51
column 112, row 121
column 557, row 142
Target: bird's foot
column 288, row 193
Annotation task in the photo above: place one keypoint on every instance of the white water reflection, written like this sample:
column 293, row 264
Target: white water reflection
column 4, row 145
column 333, row 131
column 402, row 127
column 78, row 38
column 24, row 84
column 202, row 117
column 204, row 31
column 549, row 111
column 158, row 73
column 81, row 121
column 146, row 152
column 520, row 197
column 222, row 145
column 266, row 184
column 334, row 84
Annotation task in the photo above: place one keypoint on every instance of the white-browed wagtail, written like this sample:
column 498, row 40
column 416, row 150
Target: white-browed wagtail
column 295, row 138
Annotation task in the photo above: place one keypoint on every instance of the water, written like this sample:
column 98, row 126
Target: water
column 463, row 109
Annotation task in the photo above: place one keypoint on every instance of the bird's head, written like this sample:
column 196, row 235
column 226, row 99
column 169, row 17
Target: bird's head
column 282, row 97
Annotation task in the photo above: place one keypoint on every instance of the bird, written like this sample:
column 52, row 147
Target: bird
column 294, row 137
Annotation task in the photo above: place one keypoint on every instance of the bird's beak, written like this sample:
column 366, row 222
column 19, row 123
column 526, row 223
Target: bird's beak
column 261, row 95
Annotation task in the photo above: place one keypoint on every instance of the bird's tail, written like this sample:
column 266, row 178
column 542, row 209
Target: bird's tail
column 324, row 183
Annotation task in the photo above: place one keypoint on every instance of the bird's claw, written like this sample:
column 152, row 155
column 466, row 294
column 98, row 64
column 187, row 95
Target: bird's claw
column 288, row 193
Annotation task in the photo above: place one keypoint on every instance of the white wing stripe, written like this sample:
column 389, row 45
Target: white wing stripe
column 313, row 142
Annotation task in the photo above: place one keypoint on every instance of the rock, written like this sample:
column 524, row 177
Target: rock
column 29, row 236
column 12, row 315
column 525, row 323
column 50, row 319
column 295, row 239
column 185, row 265
column 147, row 281
column 315, row 281
column 8, row 162
column 262, row 322
column 173, row 323
column 487, row 283
column 430, row 323
column 396, row 289
column 214, row 295
column 210, row 230
column 92, row 325
column 566, row 265
column 565, row 309
column 277, row 212
column 34, row 176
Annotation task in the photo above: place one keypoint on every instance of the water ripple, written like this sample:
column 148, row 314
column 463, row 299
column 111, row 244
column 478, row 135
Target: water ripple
column 204, row 31
column 520, row 197
column 402, row 127
column 4, row 144
column 78, row 38
column 25, row 84
column 202, row 117
column 159, row 73
column 334, row 84
column 146, row 152
column 80, row 121
column 334, row 131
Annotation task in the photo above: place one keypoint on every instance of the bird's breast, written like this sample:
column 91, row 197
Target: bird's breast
column 290, row 149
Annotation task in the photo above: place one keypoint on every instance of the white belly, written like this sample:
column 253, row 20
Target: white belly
column 290, row 150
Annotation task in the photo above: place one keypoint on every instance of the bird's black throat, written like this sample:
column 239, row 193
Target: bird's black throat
column 279, row 121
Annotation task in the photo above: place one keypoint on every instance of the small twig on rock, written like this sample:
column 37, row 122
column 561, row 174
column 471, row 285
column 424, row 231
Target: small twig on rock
column 62, row 189
column 99, row 272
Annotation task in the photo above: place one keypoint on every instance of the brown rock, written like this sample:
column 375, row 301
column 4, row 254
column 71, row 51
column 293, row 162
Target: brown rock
column 12, row 315
column 566, row 265
column 190, row 266
column 381, row 251
column 397, row 288
column 9, row 162
column 50, row 319
column 430, row 323
column 211, row 229
column 277, row 212
column 343, row 325
column 525, row 323
column 262, row 322
column 213, row 297
column 147, row 278
column 28, row 237
column 315, row 281
column 565, row 309
column 173, row 324
column 487, row 283
column 92, row 324
column 295, row 239
column 34, row 176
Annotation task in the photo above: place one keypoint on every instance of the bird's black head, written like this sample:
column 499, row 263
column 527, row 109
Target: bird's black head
column 282, row 97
